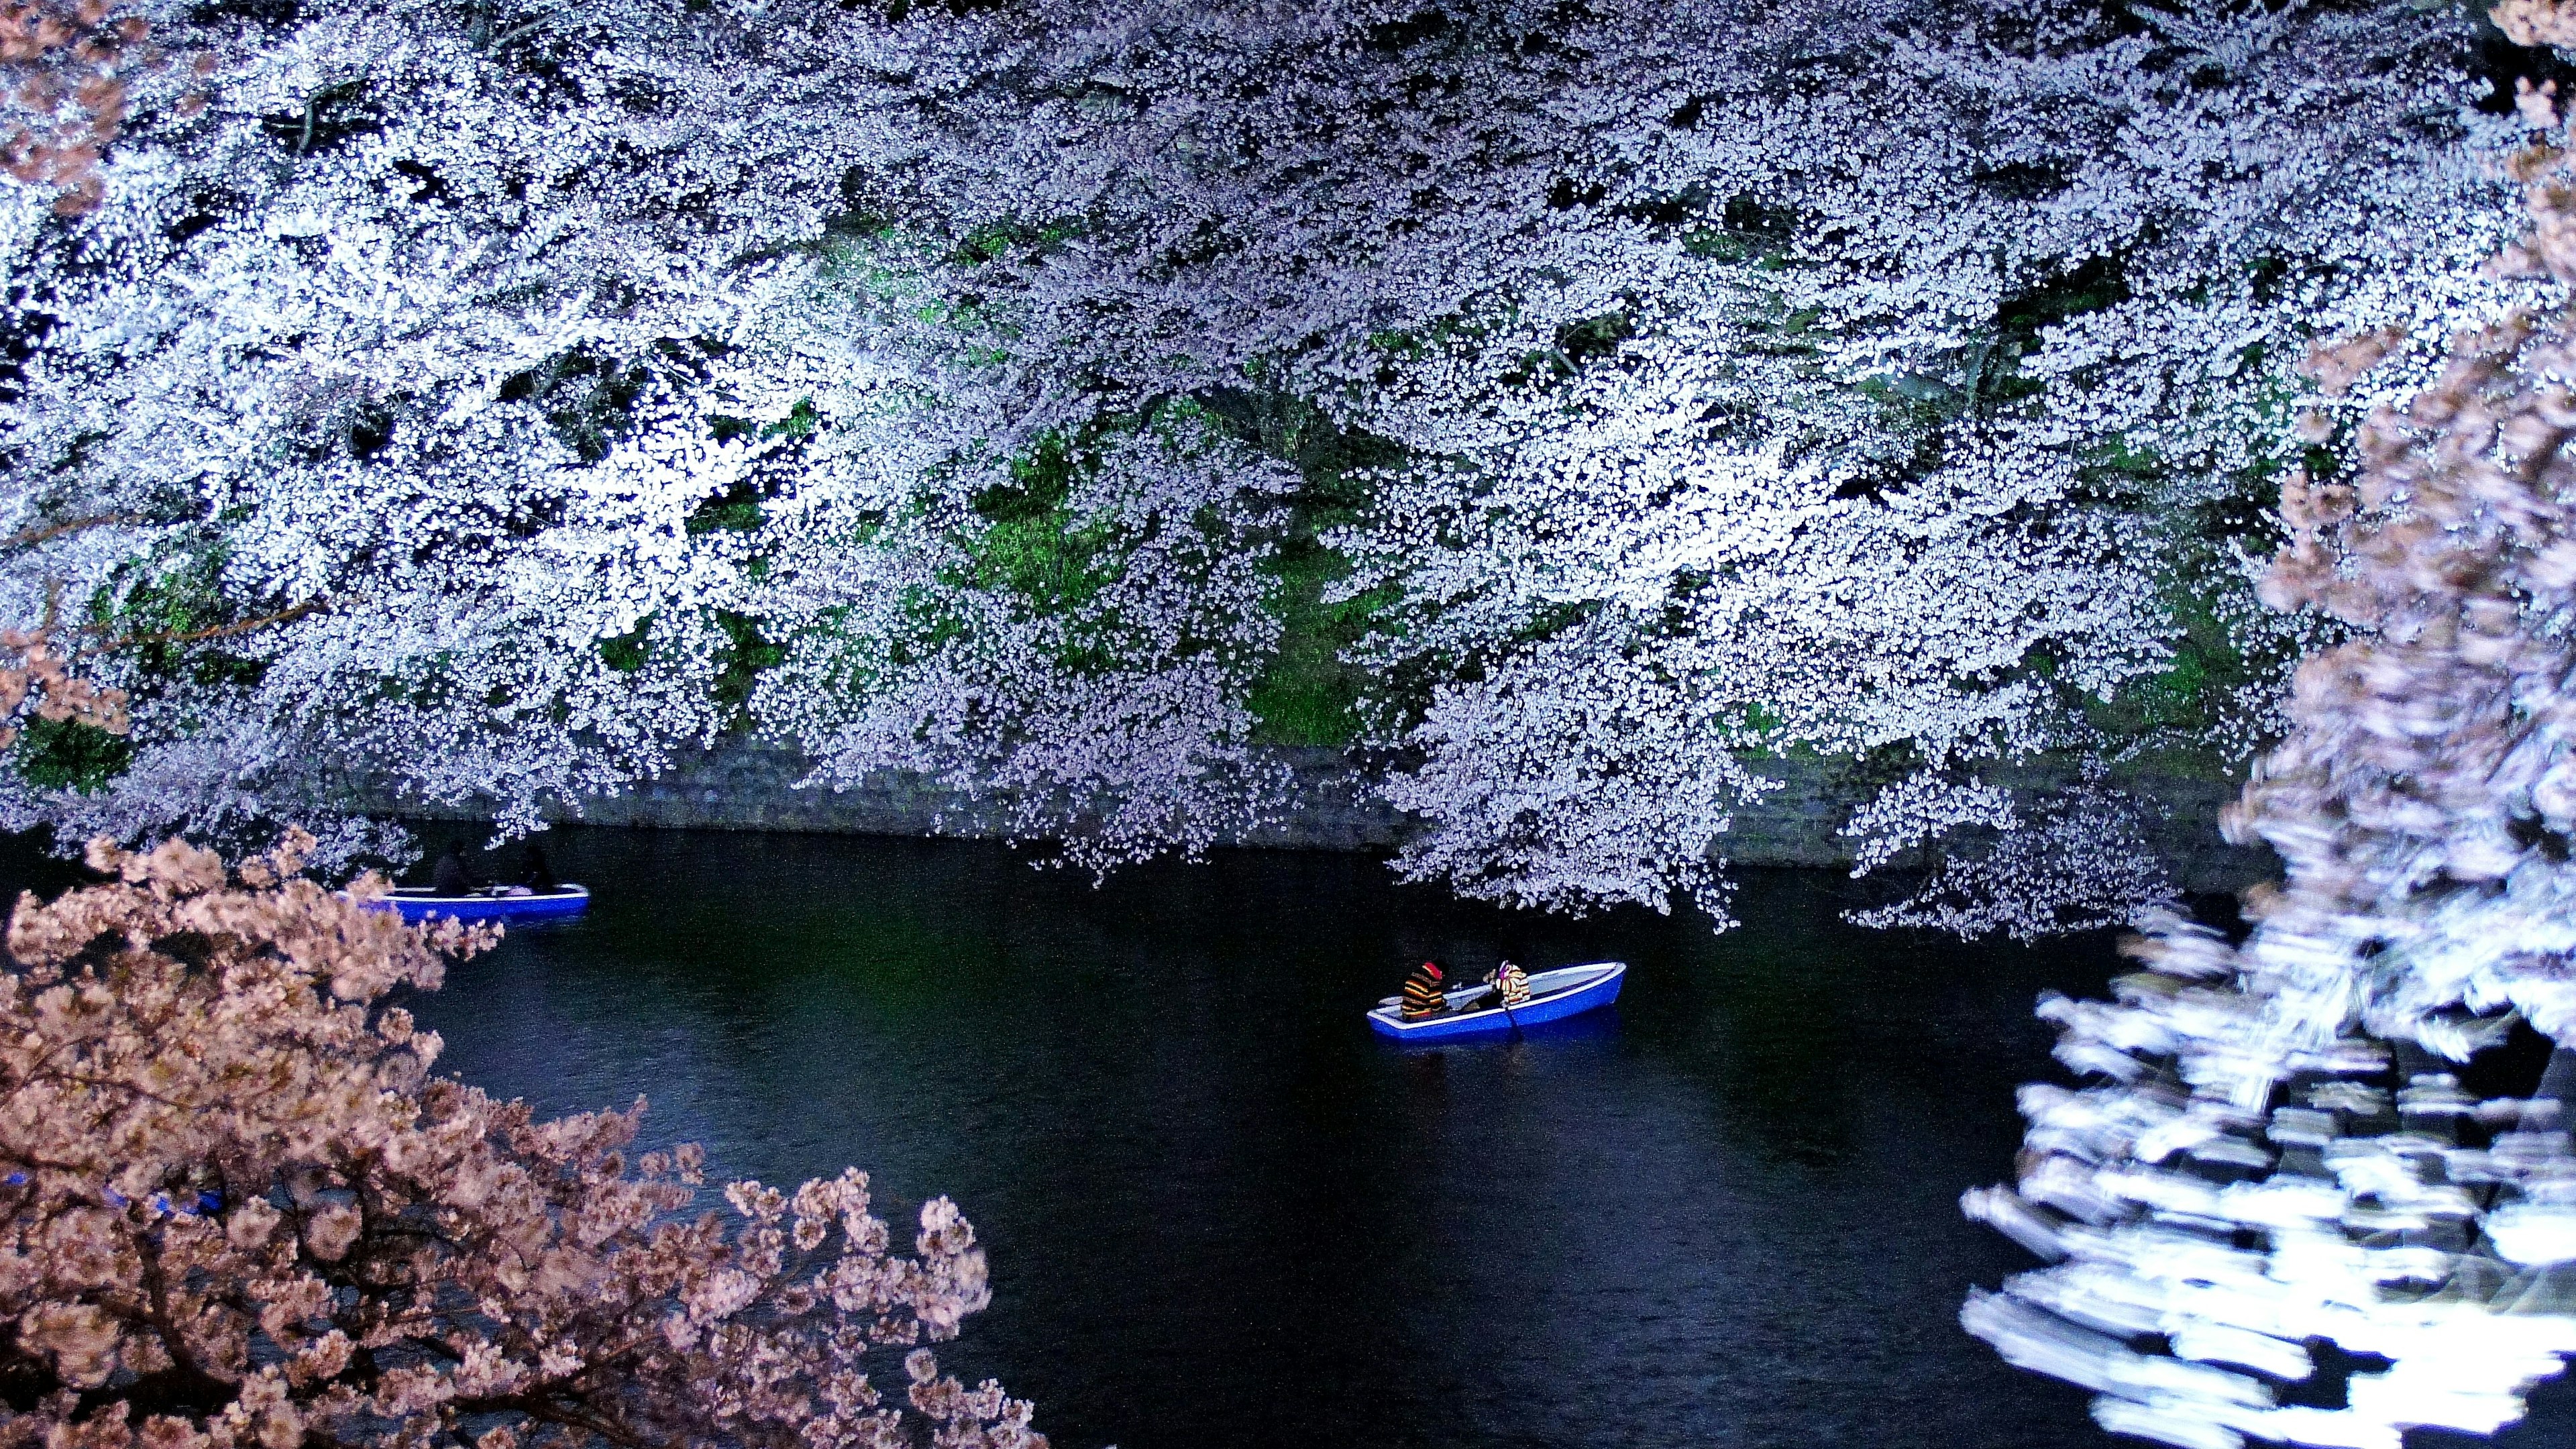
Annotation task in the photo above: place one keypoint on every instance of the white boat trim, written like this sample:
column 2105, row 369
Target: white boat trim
column 417, row 894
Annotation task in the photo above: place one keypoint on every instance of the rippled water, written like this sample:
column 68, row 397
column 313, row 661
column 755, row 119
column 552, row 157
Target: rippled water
column 1222, row 1213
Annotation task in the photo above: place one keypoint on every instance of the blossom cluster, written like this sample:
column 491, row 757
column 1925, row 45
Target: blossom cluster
column 2278, row 1144
column 240, row 1210
column 67, row 81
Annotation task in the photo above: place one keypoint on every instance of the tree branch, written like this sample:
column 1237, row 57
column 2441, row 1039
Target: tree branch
column 220, row 631
column 29, row 538
column 534, row 1403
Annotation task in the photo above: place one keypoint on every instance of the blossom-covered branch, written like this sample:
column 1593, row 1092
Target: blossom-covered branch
column 236, row 1208
column 2277, row 1148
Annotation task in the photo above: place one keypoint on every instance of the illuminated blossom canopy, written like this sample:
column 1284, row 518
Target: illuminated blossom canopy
column 1572, row 407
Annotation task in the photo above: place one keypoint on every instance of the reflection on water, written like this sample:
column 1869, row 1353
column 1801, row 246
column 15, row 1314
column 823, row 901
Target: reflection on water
column 1222, row 1212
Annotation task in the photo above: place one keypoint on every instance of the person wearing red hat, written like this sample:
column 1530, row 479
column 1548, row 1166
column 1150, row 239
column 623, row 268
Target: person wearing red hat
column 1422, row 993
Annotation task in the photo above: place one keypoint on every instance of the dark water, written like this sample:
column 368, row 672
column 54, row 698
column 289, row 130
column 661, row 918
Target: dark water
column 1221, row 1213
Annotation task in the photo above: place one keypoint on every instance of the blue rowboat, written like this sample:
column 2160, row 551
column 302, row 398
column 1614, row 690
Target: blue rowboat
column 1554, row 996
column 419, row 903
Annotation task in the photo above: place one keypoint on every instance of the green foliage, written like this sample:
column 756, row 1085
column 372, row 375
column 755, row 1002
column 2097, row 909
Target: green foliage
column 173, row 591
column 1332, row 462
column 626, row 652
column 2120, row 474
column 1915, row 403
column 1308, row 694
column 1780, row 330
column 2089, row 286
column 736, row 510
column 66, row 754
column 1994, row 366
column 2191, row 696
column 2180, row 698
column 746, row 653
column 798, row 425
column 996, row 240
column 1988, row 375
column 1576, row 343
column 1759, row 722
column 1033, row 543
column 2188, row 696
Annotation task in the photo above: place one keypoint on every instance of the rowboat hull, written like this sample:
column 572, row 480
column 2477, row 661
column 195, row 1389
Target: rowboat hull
column 418, row 903
column 1554, row 996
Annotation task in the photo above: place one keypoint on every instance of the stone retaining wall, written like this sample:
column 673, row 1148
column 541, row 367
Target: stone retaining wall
column 742, row 786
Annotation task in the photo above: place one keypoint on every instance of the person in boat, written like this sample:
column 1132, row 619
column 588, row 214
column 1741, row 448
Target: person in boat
column 1422, row 993
column 1511, row 986
column 536, row 872
column 448, row 877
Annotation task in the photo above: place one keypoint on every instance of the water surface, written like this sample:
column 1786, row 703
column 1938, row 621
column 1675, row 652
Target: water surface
column 1222, row 1213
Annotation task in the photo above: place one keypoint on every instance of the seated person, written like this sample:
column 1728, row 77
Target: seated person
column 1422, row 995
column 1511, row 985
column 449, row 877
column 535, row 871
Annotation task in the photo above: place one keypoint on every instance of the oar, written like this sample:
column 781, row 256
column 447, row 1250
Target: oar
column 1505, row 1003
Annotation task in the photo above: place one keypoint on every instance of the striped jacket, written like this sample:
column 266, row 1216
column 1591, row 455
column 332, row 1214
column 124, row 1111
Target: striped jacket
column 1422, row 995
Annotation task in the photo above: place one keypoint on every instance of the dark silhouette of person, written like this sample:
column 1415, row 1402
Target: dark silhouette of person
column 449, row 877
column 535, row 871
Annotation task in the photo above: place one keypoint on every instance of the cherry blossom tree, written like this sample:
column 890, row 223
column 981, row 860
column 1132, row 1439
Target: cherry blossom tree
column 241, row 1210
column 2277, row 1145
column 1898, row 381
